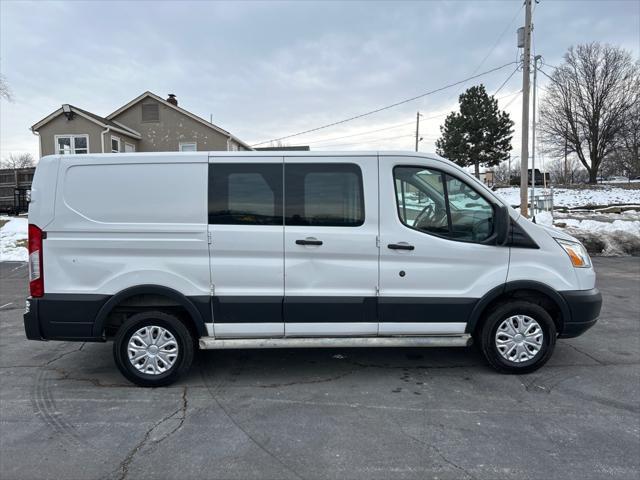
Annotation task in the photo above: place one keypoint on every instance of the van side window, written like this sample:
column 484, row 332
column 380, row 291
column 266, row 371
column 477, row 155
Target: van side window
column 324, row 194
column 245, row 194
column 434, row 202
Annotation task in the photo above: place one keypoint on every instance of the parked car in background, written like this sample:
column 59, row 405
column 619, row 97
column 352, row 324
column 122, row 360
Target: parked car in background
column 617, row 179
column 541, row 178
column 166, row 252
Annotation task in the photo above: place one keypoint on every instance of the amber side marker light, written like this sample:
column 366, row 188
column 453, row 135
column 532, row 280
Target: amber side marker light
column 577, row 253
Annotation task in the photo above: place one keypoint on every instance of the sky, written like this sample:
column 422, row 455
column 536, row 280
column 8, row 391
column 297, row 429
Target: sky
column 267, row 69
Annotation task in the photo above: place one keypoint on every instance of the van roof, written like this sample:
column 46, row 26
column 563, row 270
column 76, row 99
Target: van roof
column 269, row 153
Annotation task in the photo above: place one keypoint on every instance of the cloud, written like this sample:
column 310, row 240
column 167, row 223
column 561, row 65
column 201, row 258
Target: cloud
column 267, row 69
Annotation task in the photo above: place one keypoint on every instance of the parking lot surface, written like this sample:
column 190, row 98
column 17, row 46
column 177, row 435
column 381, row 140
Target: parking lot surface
column 66, row 413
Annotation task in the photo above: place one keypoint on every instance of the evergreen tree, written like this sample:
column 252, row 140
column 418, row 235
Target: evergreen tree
column 480, row 134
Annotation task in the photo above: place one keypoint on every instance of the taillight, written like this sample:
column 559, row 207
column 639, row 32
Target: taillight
column 36, row 275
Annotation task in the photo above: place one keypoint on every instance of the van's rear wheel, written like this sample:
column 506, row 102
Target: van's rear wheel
column 153, row 349
column 518, row 337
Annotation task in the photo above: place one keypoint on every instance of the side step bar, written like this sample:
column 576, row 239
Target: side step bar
column 212, row 343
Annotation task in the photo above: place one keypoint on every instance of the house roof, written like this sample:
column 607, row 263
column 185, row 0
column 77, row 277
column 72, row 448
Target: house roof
column 161, row 100
column 291, row 148
column 98, row 120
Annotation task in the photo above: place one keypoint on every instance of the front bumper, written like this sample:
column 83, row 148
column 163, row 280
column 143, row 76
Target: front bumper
column 584, row 309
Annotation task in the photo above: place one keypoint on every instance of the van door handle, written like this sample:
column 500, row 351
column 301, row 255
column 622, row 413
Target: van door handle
column 309, row 241
column 400, row 246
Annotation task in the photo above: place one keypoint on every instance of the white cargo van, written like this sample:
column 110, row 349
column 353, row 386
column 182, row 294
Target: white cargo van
column 165, row 253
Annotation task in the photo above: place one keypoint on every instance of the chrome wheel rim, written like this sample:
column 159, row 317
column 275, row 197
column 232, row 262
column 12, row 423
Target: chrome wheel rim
column 152, row 350
column 519, row 338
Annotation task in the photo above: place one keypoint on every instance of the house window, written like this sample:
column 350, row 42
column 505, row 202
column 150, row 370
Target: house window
column 129, row 147
column 188, row 146
column 115, row 144
column 71, row 144
column 150, row 112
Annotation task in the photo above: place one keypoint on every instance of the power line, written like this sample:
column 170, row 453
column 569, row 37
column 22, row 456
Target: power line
column 360, row 133
column 548, row 65
column 391, row 127
column 368, row 141
column 387, row 107
column 505, row 82
column 512, row 100
column 548, row 76
column 376, row 130
column 499, row 38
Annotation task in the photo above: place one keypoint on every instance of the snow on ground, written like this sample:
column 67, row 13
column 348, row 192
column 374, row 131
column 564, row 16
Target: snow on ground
column 578, row 197
column 602, row 233
column 13, row 239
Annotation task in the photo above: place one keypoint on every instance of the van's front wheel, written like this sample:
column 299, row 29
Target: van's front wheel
column 518, row 337
column 153, row 349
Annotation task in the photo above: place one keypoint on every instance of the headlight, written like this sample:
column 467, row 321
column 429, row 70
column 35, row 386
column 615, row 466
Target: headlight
column 577, row 253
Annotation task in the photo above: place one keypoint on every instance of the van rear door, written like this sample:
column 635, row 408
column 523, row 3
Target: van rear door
column 331, row 257
column 246, row 254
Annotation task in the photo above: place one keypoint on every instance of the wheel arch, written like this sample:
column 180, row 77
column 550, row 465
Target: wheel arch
column 179, row 299
column 549, row 298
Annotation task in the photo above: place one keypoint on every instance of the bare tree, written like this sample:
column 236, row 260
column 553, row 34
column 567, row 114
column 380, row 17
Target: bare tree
column 566, row 172
column 505, row 172
column 18, row 160
column 5, row 91
column 588, row 101
column 629, row 144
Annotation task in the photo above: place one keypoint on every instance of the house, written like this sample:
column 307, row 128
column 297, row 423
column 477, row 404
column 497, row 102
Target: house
column 148, row 123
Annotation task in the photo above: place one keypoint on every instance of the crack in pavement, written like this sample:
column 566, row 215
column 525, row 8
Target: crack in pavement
column 181, row 413
column 449, row 462
column 62, row 355
column 599, row 362
column 211, row 388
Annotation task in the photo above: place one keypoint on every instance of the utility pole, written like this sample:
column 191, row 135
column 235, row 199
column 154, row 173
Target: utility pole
column 524, row 153
column 533, row 136
column 417, row 129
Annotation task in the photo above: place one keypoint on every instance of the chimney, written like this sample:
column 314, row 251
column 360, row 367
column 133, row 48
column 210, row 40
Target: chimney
column 172, row 99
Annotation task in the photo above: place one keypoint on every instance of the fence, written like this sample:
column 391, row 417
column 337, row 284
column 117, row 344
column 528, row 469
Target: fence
column 542, row 202
column 15, row 185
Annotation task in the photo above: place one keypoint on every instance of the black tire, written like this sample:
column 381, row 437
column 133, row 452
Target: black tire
column 493, row 321
column 183, row 338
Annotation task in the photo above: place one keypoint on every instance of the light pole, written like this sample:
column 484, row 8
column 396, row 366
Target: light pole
column 418, row 115
column 533, row 135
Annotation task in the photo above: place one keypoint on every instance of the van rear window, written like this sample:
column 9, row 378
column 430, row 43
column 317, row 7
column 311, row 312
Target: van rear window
column 245, row 194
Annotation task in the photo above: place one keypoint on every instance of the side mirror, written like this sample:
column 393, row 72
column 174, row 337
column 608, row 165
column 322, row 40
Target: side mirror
column 502, row 221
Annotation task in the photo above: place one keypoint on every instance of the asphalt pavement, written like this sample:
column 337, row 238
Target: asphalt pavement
column 66, row 412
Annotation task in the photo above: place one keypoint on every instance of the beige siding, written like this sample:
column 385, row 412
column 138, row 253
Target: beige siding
column 61, row 126
column 123, row 138
column 172, row 128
